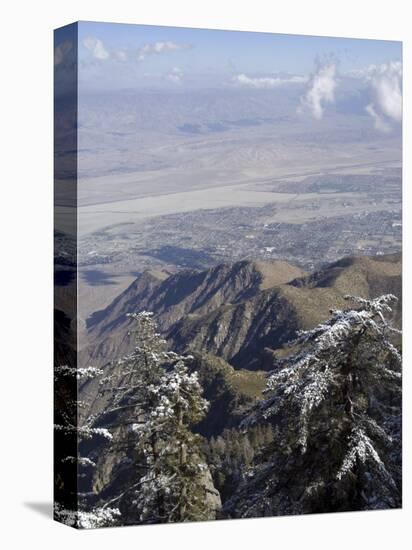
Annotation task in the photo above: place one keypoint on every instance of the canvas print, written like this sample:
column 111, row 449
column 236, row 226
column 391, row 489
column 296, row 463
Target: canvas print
column 228, row 240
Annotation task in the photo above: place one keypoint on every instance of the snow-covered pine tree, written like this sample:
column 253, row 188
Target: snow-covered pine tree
column 154, row 401
column 71, row 429
column 174, row 487
column 336, row 405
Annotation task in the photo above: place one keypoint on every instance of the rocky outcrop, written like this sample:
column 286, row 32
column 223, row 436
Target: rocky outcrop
column 239, row 311
column 187, row 294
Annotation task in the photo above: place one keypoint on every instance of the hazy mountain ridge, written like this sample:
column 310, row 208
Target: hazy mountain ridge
column 191, row 291
column 236, row 311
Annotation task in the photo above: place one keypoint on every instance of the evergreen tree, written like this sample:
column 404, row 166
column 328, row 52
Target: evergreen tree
column 153, row 394
column 173, row 488
column 72, row 429
column 336, row 403
column 231, row 455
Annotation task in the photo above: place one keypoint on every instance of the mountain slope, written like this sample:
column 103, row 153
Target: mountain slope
column 186, row 294
column 238, row 311
column 228, row 391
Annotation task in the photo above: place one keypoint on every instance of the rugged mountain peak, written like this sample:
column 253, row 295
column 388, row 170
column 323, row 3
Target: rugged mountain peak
column 191, row 292
column 236, row 311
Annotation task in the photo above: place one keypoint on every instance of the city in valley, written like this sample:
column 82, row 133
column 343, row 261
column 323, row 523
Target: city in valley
column 309, row 221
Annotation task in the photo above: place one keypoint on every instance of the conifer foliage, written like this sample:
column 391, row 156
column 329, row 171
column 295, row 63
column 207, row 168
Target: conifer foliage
column 325, row 437
column 154, row 394
column 72, row 428
column 336, row 403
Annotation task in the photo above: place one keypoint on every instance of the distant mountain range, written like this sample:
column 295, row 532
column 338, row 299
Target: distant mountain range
column 241, row 312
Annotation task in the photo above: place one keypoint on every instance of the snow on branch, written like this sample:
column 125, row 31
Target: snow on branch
column 306, row 376
column 380, row 304
column 99, row 517
column 79, row 373
column 80, row 460
column 86, row 432
column 342, row 323
column 311, row 397
column 362, row 449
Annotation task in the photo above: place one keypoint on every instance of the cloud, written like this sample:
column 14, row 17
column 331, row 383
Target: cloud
column 96, row 47
column 379, row 121
column 175, row 75
column 61, row 51
column 157, row 48
column 321, row 89
column 385, row 86
column 267, row 81
column 99, row 51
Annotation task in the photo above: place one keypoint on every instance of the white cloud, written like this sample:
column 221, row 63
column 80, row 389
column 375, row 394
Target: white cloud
column 267, row 81
column 61, row 51
column 385, row 84
column 100, row 52
column 379, row 121
column 156, row 48
column 321, row 89
column 96, row 47
column 175, row 75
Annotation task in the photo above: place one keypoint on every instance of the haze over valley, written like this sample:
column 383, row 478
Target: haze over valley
column 185, row 166
column 196, row 185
